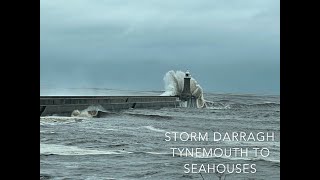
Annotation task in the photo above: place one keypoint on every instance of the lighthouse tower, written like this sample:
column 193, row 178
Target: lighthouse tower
column 186, row 95
column 186, row 92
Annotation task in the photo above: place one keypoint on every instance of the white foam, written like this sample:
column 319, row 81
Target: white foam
column 174, row 82
column 47, row 132
column 59, row 119
column 73, row 150
column 159, row 153
column 154, row 129
column 218, row 108
column 85, row 112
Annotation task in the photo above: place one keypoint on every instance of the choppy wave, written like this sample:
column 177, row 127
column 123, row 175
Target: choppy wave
column 47, row 132
column 52, row 120
column 221, row 105
column 260, row 105
column 268, row 159
column 45, row 176
column 154, row 129
column 270, row 144
column 277, row 161
column 150, row 116
column 56, row 149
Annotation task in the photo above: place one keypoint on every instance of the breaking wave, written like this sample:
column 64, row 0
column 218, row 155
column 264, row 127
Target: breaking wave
column 56, row 149
column 174, row 82
column 154, row 129
column 88, row 112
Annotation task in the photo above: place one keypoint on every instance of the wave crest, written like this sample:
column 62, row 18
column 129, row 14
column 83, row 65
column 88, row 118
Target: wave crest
column 174, row 82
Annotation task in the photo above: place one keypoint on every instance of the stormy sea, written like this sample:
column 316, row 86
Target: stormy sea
column 130, row 144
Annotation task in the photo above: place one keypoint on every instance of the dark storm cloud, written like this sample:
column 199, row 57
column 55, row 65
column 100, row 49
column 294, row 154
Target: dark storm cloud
column 229, row 45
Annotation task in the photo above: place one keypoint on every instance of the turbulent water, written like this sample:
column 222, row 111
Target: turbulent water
column 174, row 83
column 131, row 144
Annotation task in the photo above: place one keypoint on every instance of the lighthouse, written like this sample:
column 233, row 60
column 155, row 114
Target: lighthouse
column 186, row 95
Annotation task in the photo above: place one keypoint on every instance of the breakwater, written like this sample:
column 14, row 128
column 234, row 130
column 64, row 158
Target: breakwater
column 65, row 105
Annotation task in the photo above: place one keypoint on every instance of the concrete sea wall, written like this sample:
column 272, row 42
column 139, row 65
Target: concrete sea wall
column 65, row 105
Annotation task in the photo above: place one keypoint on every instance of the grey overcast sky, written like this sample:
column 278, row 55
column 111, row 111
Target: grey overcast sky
column 229, row 46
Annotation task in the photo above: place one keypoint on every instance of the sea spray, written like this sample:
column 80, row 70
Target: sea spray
column 88, row 112
column 174, row 82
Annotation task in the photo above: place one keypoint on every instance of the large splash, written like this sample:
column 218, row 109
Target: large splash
column 91, row 111
column 174, row 82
